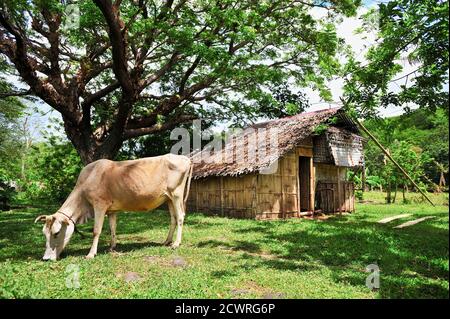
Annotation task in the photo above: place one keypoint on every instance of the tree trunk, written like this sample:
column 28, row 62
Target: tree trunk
column 363, row 180
column 395, row 193
column 442, row 180
column 404, row 193
column 92, row 154
column 388, row 194
column 91, row 149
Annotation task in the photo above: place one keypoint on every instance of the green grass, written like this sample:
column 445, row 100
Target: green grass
column 229, row 258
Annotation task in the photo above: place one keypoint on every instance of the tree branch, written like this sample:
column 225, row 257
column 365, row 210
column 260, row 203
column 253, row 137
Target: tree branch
column 158, row 74
column 92, row 98
column 188, row 74
column 131, row 133
column 118, row 44
column 15, row 94
column 18, row 54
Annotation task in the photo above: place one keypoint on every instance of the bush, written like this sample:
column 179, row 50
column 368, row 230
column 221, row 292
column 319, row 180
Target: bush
column 359, row 194
column 52, row 171
column 7, row 193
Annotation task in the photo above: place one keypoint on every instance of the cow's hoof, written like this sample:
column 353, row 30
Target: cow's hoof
column 175, row 245
column 90, row 256
column 167, row 243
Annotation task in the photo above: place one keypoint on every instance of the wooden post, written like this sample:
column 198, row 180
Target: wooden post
column 311, row 185
column 297, row 155
column 196, row 196
column 393, row 160
column 339, row 191
column 255, row 196
column 221, row 196
column 280, row 168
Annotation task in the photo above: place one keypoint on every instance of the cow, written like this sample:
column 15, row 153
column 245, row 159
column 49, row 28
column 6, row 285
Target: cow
column 106, row 187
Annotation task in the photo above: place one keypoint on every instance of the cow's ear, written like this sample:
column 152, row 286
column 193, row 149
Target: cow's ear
column 65, row 221
column 40, row 218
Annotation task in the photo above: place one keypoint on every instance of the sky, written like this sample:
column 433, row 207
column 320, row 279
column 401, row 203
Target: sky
column 359, row 44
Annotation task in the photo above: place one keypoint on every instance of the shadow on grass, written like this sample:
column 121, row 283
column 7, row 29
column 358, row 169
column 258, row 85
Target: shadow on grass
column 21, row 239
column 103, row 248
column 410, row 259
column 237, row 245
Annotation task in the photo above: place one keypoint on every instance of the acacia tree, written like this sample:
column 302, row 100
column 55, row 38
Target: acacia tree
column 138, row 67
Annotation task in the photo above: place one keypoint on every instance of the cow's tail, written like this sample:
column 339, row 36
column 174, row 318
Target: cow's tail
column 188, row 186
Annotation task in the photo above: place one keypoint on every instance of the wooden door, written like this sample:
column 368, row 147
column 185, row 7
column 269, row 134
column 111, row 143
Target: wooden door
column 305, row 183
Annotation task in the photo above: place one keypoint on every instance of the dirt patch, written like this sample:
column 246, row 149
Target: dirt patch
column 274, row 295
column 236, row 293
column 176, row 261
column 253, row 288
column 152, row 259
column 130, row 276
column 253, row 254
column 116, row 253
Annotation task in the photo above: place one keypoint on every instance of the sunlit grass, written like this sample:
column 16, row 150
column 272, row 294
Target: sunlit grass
column 229, row 258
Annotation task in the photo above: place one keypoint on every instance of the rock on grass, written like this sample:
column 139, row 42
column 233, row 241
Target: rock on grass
column 130, row 276
column 179, row 262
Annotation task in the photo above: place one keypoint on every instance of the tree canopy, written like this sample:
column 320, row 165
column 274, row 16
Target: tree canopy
column 407, row 29
column 136, row 67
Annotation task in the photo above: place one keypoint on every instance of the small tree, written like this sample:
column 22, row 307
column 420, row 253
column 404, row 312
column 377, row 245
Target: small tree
column 412, row 160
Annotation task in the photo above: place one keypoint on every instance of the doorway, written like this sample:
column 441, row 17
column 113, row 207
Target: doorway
column 304, row 171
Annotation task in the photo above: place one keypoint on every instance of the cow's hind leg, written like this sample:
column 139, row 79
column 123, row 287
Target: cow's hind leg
column 179, row 215
column 98, row 225
column 112, row 226
column 173, row 223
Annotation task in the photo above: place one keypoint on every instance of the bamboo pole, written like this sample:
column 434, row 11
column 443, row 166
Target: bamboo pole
column 311, row 185
column 339, row 191
column 393, row 160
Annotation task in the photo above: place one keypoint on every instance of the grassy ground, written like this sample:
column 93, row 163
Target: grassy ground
column 226, row 258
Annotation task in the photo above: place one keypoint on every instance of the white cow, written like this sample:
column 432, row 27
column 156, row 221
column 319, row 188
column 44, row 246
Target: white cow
column 106, row 187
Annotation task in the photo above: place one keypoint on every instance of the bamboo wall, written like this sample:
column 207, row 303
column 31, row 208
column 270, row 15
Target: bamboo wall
column 225, row 196
column 273, row 196
column 330, row 199
column 326, row 172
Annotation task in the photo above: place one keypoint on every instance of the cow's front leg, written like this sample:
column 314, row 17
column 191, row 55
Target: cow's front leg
column 98, row 225
column 112, row 226
column 179, row 215
column 173, row 224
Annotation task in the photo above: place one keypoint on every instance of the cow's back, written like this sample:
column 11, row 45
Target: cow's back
column 135, row 185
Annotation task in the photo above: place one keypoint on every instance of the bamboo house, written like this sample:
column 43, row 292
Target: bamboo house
column 304, row 173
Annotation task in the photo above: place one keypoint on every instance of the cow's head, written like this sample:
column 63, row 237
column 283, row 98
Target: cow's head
column 57, row 231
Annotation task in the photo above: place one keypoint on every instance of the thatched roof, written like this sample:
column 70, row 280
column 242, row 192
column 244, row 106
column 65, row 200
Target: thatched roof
column 255, row 139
